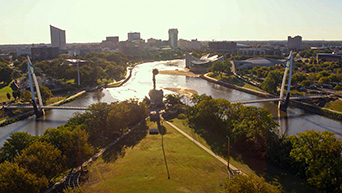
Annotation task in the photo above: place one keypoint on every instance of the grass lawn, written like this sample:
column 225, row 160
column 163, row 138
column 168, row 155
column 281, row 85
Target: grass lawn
column 4, row 89
column 139, row 165
column 183, row 126
column 233, row 80
column 334, row 105
column 55, row 99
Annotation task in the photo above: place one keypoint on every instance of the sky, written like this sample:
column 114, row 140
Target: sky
column 28, row 21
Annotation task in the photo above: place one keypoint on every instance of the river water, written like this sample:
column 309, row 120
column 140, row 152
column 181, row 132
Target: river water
column 291, row 122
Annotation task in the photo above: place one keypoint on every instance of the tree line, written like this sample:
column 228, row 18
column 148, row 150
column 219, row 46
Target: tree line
column 32, row 163
column 314, row 156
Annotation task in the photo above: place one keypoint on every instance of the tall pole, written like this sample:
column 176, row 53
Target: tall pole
column 228, row 156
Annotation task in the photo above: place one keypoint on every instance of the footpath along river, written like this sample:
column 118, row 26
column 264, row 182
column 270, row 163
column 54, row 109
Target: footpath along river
column 293, row 121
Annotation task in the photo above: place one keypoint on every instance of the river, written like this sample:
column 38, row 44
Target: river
column 291, row 122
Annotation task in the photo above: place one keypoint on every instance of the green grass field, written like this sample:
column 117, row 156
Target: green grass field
column 234, row 80
column 139, row 166
column 334, row 105
column 4, row 89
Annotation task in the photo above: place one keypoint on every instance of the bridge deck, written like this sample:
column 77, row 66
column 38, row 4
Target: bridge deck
column 46, row 107
column 278, row 99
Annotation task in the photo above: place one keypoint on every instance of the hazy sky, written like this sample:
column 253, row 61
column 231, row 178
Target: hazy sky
column 27, row 21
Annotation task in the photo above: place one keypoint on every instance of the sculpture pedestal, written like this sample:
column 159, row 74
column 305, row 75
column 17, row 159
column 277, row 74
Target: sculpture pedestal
column 156, row 97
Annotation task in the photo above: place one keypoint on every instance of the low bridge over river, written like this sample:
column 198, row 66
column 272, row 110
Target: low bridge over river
column 279, row 99
column 46, row 107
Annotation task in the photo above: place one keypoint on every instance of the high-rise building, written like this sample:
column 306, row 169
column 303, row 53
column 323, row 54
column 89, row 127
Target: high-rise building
column 57, row 37
column 294, row 42
column 133, row 36
column 173, row 38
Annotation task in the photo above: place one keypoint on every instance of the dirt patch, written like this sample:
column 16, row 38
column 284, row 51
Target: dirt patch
column 184, row 72
column 183, row 91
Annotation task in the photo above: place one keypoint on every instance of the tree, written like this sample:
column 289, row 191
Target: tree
column 27, row 96
column 73, row 143
column 324, row 80
column 5, row 73
column 252, row 128
column 17, row 179
column 174, row 99
column 42, row 159
column 250, row 184
column 269, row 85
column 217, row 67
column 321, row 153
column 8, row 96
column 96, row 120
column 306, row 82
column 15, row 143
column 16, row 94
column 45, row 92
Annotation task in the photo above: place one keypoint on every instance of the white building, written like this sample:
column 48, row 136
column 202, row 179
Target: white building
column 57, row 37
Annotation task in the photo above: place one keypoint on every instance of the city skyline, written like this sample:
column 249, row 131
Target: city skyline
column 84, row 21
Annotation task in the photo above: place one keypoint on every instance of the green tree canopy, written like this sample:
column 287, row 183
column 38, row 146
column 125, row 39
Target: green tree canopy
column 321, row 153
column 15, row 143
column 45, row 92
column 42, row 159
column 250, row 184
column 17, row 179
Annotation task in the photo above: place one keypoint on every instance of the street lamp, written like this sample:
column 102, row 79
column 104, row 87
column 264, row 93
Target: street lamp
column 78, row 70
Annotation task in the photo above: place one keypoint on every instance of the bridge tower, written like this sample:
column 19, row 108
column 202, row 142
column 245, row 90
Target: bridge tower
column 32, row 76
column 283, row 104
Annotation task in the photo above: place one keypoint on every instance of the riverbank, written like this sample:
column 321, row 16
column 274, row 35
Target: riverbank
column 248, row 90
column 305, row 106
column 184, row 72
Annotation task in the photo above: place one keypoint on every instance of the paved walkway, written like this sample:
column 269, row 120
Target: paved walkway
column 203, row 147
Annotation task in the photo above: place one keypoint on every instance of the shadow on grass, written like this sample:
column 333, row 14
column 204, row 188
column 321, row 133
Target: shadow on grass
column 129, row 141
column 288, row 181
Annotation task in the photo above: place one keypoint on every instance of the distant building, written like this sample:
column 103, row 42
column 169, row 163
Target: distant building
column 44, row 53
column 173, row 38
column 114, row 39
column 189, row 45
column 110, row 42
column 57, row 37
column 252, row 62
column 222, row 46
column 131, row 48
column 154, row 43
column 24, row 51
column 200, row 65
column 133, row 36
column 295, row 42
column 328, row 57
column 260, row 51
